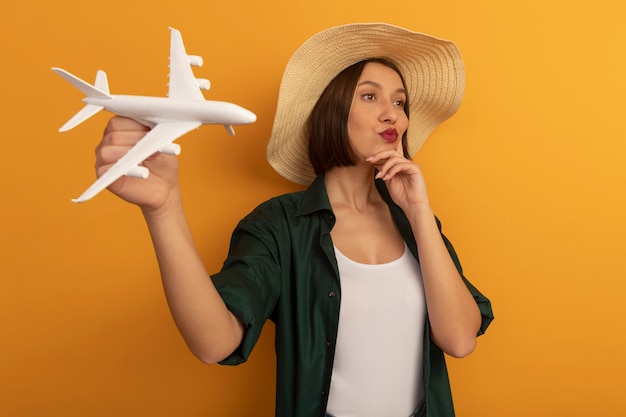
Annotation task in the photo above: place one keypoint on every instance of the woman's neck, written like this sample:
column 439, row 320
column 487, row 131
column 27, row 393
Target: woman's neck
column 351, row 187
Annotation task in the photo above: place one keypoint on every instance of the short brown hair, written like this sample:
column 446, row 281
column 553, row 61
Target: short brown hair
column 327, row 125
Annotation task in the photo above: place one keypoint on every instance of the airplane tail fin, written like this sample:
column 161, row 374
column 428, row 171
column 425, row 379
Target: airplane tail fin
column 99, row 90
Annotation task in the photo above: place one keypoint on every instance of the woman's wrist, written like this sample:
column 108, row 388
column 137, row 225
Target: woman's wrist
column 171, row 205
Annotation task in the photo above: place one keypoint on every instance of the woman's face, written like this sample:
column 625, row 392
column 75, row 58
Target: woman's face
column 377, row 120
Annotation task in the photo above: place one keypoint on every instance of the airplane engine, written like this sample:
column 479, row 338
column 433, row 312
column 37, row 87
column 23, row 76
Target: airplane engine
column 138, row 172
column 195, row 60
column 203, row 83
column 171, row 149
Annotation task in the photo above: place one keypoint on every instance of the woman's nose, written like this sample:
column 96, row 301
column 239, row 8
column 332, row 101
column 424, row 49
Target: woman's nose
column 388, row 112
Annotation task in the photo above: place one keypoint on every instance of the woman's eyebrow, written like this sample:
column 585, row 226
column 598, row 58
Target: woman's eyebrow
column 378, row 86
column 372, row 83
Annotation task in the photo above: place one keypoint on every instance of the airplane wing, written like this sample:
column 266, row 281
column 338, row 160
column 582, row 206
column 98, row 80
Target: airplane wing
column 182, row 83
column 156, row 140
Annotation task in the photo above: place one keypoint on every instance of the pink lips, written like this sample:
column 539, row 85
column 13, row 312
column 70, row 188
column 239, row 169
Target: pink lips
column 389, row 135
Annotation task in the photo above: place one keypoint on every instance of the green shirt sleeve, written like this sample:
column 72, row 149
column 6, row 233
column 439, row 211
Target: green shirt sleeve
column 484, row 305
column 249, row 282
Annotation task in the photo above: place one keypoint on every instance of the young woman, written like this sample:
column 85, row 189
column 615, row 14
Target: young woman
column 365, row 291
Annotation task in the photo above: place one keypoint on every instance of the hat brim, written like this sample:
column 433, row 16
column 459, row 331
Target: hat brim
column 432, row 69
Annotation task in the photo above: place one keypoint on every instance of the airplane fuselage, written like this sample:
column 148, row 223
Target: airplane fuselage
column 154, row 110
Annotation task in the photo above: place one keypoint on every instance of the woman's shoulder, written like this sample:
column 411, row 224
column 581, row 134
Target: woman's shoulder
column 276, row 207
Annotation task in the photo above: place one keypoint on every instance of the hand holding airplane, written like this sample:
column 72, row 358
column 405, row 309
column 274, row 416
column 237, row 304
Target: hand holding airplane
column 184, row 109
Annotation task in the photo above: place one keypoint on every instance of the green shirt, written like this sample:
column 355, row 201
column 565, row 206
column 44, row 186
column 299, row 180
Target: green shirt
column 281, row 266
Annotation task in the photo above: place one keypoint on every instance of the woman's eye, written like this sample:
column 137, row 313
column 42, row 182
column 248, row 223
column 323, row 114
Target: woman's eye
column 400, row 103
column 368, row 96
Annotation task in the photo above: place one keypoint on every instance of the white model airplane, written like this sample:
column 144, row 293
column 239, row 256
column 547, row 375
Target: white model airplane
column 183, row 110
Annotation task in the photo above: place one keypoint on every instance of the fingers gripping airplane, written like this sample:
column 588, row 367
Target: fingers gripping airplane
column 183, row 110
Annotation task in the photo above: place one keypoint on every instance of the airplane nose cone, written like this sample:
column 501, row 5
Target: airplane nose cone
column 249, row 116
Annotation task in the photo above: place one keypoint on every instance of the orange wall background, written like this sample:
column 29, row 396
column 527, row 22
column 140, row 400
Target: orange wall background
column 528, row 179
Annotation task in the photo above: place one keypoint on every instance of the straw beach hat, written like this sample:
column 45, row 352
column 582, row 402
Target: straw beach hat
column 432, row 69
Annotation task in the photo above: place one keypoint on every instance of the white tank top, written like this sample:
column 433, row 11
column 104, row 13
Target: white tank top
column 378, row 359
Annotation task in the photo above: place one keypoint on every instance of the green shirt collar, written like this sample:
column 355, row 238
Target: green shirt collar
column 315, row 198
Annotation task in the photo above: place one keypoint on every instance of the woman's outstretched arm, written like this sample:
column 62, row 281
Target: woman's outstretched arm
column 210, row 330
